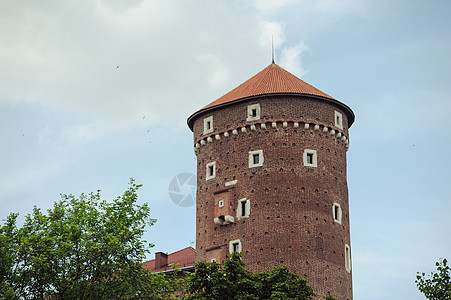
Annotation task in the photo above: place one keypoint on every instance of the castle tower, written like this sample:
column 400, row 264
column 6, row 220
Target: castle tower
column 271, row 180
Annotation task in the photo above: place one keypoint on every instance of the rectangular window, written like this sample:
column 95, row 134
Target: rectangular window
column 348, row 258
column 310, row 158
column 336, row 211
column 210, row 170
column 208, row 124
column 338, row 120
column 255, row 158
column 243, row 208
column 253, row 112
column 235, row 246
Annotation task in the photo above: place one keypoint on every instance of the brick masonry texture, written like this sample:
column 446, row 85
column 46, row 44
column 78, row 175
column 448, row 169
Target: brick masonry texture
column 291, row 221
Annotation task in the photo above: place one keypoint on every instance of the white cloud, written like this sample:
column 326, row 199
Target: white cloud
column 115, row 63
column 271, row 4
column 80, row 134
column 291, row 59
column 272, row 32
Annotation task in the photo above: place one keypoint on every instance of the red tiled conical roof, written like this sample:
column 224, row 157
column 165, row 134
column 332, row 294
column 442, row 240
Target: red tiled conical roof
column 271, row 80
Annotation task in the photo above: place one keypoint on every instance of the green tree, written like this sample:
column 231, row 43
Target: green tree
column 82, row 248
column 230, row 281
column 436, row 286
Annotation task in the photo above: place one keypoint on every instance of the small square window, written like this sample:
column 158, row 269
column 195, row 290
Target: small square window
column 310, row 158
column 221, row 203
column 253, row 112
column 208, row 124
column 338, row 120
column 211, row 170
column 213, row 260
column 255, row 158
column 235, row 246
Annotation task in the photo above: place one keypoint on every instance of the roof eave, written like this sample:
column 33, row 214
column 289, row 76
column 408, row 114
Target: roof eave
column 347, row 109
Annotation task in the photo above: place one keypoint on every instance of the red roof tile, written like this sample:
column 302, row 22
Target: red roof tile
column 184, row 258
column 271, row 80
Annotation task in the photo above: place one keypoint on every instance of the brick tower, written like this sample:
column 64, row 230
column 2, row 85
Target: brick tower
column 271, row 179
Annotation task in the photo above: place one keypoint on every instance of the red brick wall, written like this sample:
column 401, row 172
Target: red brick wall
column 291, row 221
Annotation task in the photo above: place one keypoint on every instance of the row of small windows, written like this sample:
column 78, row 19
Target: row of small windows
column 235, row 246
column 256, row 159
column 253, row 114
column 244, row 208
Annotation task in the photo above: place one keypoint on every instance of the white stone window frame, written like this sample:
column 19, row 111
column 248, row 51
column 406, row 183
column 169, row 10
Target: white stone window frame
column 207, row 170
column 260, row 158
column 208, row 124
column 231, row 246
column 247, row 209
column 213, row 260
column 337, row 213
column 314, row 162
column 348, row 258
column 221, row 203
column 250, row 109
column 338, row 119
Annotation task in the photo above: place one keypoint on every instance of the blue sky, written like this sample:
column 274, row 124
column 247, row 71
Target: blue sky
column 93, row 93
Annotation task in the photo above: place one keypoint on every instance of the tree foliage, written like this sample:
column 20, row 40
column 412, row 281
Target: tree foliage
column 230, row 281
column 81, row 248
column 436, row 286
column 88, row 248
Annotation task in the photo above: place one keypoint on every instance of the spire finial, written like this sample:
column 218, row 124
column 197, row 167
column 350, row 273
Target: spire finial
column 272, row 47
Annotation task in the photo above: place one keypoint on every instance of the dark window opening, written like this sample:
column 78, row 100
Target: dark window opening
column 210, row 171
column 310, row 158
column 336, row 212
column 208, row 125
column 243, row 208
column 253, row 113
column 235, row 247
column 256, row 159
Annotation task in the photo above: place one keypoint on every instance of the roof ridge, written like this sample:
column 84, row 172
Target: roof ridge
column 187, row 248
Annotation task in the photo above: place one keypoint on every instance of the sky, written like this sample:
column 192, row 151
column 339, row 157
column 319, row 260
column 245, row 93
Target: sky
column 93, row 93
